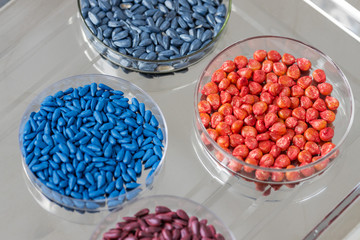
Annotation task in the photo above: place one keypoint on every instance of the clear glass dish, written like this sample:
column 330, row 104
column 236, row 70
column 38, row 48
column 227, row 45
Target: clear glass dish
column 66, row 206
column 152, row 66
column 172, row 202
column 342, row 91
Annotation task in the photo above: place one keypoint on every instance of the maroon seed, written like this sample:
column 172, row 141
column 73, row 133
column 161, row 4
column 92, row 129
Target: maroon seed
column 120, row 224
column 184, row 232
column 166, row 234
column 219, row 237
column 195, row 227
column 177, row 225
column 153, row 222
column 203, row 221
column 162, row 209
column 182, row 214
column 181, row 222
column 132, row 237
column 142, row 212
column 131, row 226
column 113, row 233
column 212, row 229
column 153, row 229
column 130, row 219
column 168, row 226
column 142, row 224
column 164, row 216
column 143, row 234
column 176, row 234
column 204, row 231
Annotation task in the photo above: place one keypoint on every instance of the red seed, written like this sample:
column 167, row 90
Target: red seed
column 232, row 89
column 312, row 147
column 274, row 55
column 271, row 77
column 293, row 152
column 282, row 161
column 292, row 176
column 216, row 118
column 223, row 141
column 278, row 128
column 312, row 134
column 318, row 124
column 259, row 76
column 235, row 165
column 228, row 66
column 266, row 160
column 254, row 65
column 312, row 92
column 325, row 88
column 328, row 116
column 214, row 100
column 299, row 141
column 326, row 148
column 213, row 133
column 304, row 156
column 319, row 105
column 288, row 59
column 262, row 175
column 299, row 113
column 251, row 142
column 245, row 72
column 233, row 77
column 300, row 127
column 326, row 134
column 307, row 172
column 304, row 82
column 267, row 66
column 205, row 119
column 305, row 102
column 204, row 107
column 230, row 119
column 250, row 161
column 293, row 71
column 265, row 146
column 210, row 88
column 225, row 97
column 260, row 55
column 311, row 114
column 236, row 126
column 297, row 91
column 241, row 151
column 240, row 61
column 275, row 151
column 218, row 75
column 279, row 68
column 286, row 81
column 236, row 140
column 319, row 75
column 331, row 103
column 242, row 81
column 304, row 64
column 223, row 129
column 224, row 84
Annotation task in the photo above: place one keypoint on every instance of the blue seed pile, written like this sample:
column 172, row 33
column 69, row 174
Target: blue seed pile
column 154, row 29
column 90, row 143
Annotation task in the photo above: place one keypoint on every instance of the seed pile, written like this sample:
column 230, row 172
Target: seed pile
column 163, row 224
column 90, row 143
column 154, row 29
column 271, row 111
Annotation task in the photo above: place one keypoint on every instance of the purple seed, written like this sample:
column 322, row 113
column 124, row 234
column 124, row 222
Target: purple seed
column 142, row 212
column 162, row 209
column 155, row 222
column 182, row 214
column 131, row 226
column 166, row 234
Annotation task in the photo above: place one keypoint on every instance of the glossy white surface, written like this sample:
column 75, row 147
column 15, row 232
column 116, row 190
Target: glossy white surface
column 41, row 43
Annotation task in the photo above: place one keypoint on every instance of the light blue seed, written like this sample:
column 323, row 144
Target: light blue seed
column 147, row 141
column 131, row 185
column 94, row 18
column 200, row 9
column 164, row 25
column 211, row 19
column 187, row 38
column 184, row 3
column 147, row 66
column 221, row 11
column 138, row 22
column 145, row 42
column 176, row 42
column 132, row 174
column 108, row 151
column 207, row 35
column 157, row 141
column 163, row 8
column 39, row 167
column 217, row 28
column 195, row 45
column 219, row 19
column 120, row 35
column 159, row 21
column 166, row 42
column 127, row 157
column 166, row 53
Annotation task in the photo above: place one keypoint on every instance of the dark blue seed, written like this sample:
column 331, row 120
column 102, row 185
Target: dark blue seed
column 164, row 25
column 131, row 185
column 187, row 38
column 195, row 45
column 39, row 167
column 145, row 42
column 125, row 177
column 158, row 151
column 127, row 158
column 221, row 11
column 166, row 53
column 142, row 109
column 148, row 154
